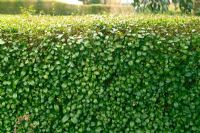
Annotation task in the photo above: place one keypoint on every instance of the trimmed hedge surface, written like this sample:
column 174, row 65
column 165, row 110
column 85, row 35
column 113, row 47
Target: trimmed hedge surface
column 99, row 74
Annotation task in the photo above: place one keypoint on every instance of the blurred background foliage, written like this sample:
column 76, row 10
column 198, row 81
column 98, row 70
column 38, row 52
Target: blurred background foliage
column 51, row 7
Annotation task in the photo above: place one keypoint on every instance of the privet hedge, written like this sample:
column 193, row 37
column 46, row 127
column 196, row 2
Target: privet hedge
column 99, row 74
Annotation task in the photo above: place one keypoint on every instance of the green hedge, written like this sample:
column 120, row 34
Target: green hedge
column 99, row 74
column 50, row 7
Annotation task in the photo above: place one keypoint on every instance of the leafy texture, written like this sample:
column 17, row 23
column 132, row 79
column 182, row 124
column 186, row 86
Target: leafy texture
column 99, row 74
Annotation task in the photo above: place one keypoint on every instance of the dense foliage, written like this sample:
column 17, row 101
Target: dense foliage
column 99, row 74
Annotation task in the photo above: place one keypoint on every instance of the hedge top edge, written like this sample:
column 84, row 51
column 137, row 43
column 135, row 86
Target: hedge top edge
column 58, row 24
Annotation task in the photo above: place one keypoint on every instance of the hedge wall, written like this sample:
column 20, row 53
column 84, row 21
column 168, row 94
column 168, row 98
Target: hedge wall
column 99, row 74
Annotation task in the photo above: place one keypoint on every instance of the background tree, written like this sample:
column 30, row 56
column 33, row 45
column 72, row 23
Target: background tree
column 197, row 7
column 185, row 6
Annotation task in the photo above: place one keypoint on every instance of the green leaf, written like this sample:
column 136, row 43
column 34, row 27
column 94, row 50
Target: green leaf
column 64, row 85
column 15, row 95
column 74, row 120
column 56, row 107
column 1, row 42
column 65, row 118
column 6, row 83
column 132, row 124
